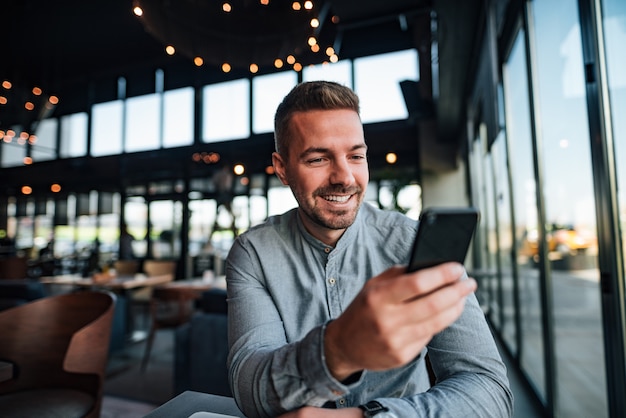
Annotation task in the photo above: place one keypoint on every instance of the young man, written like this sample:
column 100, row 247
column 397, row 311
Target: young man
column 323, row 318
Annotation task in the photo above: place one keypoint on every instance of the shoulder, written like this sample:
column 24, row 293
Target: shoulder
column 385, row 220
column 273, row 227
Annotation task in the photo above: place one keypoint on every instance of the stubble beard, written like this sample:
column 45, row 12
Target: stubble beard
column 330, row 219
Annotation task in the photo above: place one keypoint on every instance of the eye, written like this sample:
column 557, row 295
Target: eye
column 315, row 161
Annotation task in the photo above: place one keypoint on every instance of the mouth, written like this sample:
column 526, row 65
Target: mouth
column 336, row 198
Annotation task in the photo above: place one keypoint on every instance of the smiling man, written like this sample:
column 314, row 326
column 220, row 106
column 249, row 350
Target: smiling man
column 323, row 318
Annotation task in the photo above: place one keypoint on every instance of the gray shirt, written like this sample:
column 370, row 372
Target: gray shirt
column 284, row 286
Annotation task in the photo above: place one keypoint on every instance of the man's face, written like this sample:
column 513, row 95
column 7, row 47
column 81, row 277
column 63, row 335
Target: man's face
column 326, row 170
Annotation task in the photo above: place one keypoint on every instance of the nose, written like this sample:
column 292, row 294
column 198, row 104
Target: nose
column 341, row 173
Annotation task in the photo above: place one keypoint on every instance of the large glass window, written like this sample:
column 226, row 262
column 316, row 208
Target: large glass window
column 142, row 130
column 524, row 189
column 226, row 113
column 615, row 38
column 267, row 93
column 569, row 210
column 73, row 135
column 505, row 242
column 13, row 152
column 279, row 197
column 340, row 72
column 165, row 221
column 379, row 91
column 45, row 148
column 178, row 115
column 106, row 128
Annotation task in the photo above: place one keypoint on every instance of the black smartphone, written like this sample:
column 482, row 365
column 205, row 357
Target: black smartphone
column 443, row 234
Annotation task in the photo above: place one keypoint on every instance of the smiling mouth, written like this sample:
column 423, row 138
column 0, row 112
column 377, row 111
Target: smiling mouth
column 336, row 198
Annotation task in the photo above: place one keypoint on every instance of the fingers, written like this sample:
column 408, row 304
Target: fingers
column 404, row 287
column 394, row 317
column 434, row 312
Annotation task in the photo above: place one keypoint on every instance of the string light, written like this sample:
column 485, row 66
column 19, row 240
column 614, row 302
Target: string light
column 239, row 169
column 305, row 9
column 34, row 104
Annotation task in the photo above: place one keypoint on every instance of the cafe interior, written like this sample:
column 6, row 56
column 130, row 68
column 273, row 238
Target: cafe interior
column 135, row 146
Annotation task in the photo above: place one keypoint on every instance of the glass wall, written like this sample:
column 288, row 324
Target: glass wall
column 570, row 216
column 614, row 26
column 526, row 232
column 545, row 205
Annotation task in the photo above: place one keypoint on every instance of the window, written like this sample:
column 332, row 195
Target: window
column 13, row 152
column 341, row 72
column 143, row 131
column 106, row 128
column 267, row 92
column 73, row 135
column 377, row 82
column 178, row 113
column 226, row 112
column 46, row 145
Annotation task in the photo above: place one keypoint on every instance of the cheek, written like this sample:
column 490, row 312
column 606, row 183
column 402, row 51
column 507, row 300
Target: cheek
column 362, row 175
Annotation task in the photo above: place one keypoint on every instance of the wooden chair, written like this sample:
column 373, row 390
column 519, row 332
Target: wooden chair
column 58, row 347
column 140, row 298
column 169, row 308
column 126, row 267
column 159, row 267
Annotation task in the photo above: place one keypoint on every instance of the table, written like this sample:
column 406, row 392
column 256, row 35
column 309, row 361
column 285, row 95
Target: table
column 120, row 283
column 189, row 402
column 197, row 284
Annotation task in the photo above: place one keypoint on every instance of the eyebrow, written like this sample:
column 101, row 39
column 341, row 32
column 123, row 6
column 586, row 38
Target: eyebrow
column 321, row 150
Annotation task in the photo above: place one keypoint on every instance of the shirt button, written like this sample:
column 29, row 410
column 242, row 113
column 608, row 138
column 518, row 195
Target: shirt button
column 332, row 280
column 342, row 401
column 327, row 250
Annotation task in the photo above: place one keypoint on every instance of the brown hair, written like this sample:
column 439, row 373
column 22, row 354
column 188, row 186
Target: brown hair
column 313, row 95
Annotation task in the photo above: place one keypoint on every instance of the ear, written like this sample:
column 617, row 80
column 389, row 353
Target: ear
column 279, row 168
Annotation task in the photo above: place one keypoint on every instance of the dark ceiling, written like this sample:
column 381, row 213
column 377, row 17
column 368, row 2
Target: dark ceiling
column 77, row 49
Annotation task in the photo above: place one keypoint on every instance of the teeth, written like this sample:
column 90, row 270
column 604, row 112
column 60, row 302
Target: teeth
column 339, row 199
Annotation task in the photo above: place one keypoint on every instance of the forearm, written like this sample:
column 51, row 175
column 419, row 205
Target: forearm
column 269, row 382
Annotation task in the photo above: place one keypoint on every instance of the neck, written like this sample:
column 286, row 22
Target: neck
column 328, row 236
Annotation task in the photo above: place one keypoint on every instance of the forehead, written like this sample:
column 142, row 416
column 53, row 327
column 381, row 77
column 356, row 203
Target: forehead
column 326, row 128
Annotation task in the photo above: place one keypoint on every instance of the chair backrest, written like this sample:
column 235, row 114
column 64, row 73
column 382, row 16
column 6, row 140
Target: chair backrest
column 126, row 267
column 159, row 267
column 59, row 342
column 171, row 306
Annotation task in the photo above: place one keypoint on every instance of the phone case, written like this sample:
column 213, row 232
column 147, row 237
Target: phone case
column 443, row 234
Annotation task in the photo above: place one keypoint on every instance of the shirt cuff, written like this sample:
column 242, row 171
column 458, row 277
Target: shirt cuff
column 313, row 369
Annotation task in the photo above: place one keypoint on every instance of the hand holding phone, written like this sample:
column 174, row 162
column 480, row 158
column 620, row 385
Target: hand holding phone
column 443, row 234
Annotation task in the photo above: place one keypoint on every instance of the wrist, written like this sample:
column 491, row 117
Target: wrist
column 335, row 362
column 373, row 408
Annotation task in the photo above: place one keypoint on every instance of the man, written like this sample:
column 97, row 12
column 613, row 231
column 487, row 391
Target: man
column 323, row 318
